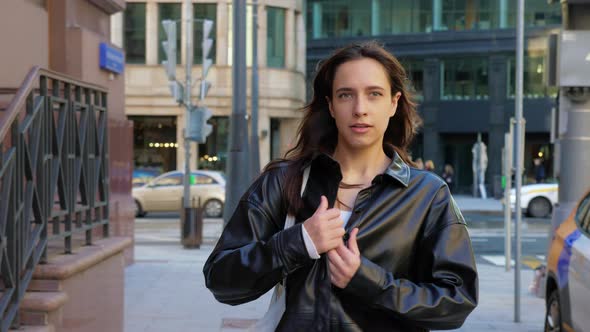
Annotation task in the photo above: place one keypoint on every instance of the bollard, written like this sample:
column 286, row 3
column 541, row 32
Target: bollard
column 191, row 227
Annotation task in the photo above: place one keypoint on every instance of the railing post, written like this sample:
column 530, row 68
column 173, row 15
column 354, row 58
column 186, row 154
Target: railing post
column 13, row 231
column 44, row 93
column 88, row 164
column 105, row 167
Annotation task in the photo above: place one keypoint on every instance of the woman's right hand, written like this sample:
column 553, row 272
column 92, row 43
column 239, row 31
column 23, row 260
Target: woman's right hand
column 325, row 227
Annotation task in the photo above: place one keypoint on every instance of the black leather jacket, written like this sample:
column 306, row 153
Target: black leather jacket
column 417, row 267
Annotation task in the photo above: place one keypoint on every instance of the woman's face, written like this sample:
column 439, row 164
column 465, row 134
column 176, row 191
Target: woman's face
column 361, row 103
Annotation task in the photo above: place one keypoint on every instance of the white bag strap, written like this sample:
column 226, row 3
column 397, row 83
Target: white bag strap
column 290, row 220
column 277, row 306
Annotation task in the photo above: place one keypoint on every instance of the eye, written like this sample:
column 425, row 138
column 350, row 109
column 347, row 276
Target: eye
column 345, row 95
column 375, row 94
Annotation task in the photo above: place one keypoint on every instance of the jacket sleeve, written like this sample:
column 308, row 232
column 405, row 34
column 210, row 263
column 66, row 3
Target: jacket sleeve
column 254, row 253
column 445, row 298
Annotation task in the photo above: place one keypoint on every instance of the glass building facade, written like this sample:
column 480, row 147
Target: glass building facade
column 459, row 59
column 349, row 18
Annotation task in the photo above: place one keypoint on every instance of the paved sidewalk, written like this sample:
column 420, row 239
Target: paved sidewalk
column 480, row 205
column 165, row 291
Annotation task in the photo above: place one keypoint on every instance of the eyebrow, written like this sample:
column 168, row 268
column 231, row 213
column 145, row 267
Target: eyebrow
column 372, row 87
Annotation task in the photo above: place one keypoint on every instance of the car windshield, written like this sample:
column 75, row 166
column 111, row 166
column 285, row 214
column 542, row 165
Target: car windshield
column 141, row 176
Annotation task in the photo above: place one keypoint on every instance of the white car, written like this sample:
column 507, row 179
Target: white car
column 165, row 192
column 536, row 200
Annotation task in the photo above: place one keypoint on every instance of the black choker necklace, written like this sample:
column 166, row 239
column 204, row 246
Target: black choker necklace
column 345, row 185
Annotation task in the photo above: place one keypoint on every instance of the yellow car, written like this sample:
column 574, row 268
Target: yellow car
column 567, row 287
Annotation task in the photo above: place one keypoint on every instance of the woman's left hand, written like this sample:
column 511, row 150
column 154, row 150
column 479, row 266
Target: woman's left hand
column 344, row 261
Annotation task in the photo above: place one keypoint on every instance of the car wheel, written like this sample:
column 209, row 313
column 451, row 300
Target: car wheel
column 213, row 208
column 553, row 313
column 539, row 207
column 139, row 212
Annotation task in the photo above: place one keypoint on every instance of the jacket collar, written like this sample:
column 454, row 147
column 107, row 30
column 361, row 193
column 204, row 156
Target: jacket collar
column 397, row 170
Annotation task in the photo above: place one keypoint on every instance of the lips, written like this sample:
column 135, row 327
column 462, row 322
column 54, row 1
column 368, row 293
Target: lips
column 360, row 128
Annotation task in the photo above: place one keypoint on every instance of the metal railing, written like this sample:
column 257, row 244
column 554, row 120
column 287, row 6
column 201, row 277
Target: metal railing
column 54, row 180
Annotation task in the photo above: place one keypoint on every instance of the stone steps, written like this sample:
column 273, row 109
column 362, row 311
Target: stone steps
column 40, row 309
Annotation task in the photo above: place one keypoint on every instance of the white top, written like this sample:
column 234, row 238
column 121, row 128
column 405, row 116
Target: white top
column 311, row 249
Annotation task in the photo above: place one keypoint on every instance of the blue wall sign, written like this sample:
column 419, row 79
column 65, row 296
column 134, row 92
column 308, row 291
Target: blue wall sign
column 111, row 59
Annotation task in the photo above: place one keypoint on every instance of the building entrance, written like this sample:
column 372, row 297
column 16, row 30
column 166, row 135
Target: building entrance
column 154, row 143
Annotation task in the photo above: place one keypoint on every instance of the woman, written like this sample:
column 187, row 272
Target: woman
column 377, row 245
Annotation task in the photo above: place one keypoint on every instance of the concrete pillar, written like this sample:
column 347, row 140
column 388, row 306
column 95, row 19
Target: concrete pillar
column 290, row 44
column 436, row 15
column 301, row 42
column 432, row 76
column 499, row 116
column 117, row 29
column 151, row 33
column 574, row 120
column 221, row 34
column 375, row 10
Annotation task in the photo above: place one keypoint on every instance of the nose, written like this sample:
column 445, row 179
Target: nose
column 360, row 106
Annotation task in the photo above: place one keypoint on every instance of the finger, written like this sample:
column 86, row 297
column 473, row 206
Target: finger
column 352, row 244
column 330, row 213
column 343, row 252
column 335, row 223
column 323, row 205
column 336, row 273
column 335, row 258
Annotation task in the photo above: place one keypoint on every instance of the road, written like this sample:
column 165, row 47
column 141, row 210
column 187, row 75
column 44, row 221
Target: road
column 487, row 235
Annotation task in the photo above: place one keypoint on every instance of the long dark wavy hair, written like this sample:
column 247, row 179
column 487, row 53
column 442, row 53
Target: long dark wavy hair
column 317, row 132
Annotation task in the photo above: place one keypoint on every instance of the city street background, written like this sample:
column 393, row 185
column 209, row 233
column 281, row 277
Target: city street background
column 165, row 288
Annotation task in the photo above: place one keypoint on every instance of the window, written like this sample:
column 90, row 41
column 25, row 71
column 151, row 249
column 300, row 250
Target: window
column 134, row 34
column 275, row 37
column 174, row 179
column 202, row 179
column 168, row 11
column 533, row 77
column 402, row 16
column 536, row 13
column 203, row 11
column 348, row 18
column 414, row 71
column 583, row 214
column 214, row 152
column 465, row 79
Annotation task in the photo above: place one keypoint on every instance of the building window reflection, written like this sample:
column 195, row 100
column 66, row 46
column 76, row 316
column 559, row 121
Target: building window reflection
column 213, row 153
column 415, row 71
column 154, row 142
column 533, row 85
column 275, row 37
column 465, row 78
column 203, row 11
column 169, row 11
column 348, row 18
column 134, row 34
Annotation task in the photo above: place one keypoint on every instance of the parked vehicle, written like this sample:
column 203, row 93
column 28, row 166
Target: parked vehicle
column 567, row 287
column 143, row 175
column 165, row 193
column 536, row 200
